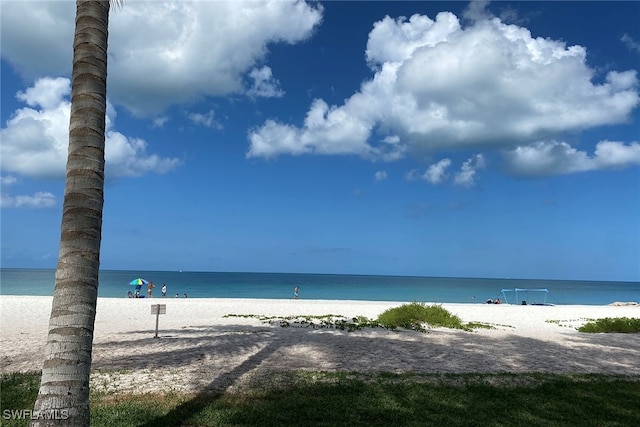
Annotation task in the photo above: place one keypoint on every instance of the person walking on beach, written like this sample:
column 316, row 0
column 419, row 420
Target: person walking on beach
column 295, row 292
column 164, row 290
column 150, row 287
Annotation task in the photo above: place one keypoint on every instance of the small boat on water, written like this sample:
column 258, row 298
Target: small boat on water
column 527, row 296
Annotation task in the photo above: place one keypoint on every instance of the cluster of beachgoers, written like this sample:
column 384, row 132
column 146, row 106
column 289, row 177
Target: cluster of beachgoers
column 138, row 293
column 213, row 342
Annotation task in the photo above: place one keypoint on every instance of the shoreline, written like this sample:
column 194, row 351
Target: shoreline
column 473, row 302
column 115, row 284
column 199, row 346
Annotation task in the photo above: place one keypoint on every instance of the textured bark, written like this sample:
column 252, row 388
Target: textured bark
column 64, row 388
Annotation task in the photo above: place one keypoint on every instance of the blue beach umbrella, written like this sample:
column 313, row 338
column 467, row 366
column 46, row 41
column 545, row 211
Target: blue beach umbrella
column 138, row 282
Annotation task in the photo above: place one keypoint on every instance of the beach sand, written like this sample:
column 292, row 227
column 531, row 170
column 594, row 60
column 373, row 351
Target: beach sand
column 200, row 349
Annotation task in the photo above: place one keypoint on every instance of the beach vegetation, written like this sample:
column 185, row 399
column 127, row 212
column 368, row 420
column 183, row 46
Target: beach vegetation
column 329, row 321
column 416, row 314
column 570, row 323
column 304, row 398
column 609, row 324
column 479, row 325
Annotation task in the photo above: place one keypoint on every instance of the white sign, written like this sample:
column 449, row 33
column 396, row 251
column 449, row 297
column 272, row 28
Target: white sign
column 159, row 309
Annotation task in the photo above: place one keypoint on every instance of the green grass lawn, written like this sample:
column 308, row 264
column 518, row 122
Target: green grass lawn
column 357, row 399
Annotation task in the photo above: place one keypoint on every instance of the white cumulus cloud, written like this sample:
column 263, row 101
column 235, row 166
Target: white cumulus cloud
column 381, row 175
column 264, row 84
column 8, row 180
column 630, row 43
column 36, row 138
column 437, row 172
column 439, row 86
column 557, row 157
column 39, row 200
column 466, row 176
column 207, row 119
column 328, row 130
column 162, row 52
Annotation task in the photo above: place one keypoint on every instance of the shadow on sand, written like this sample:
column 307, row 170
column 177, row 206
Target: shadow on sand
column 218, row 358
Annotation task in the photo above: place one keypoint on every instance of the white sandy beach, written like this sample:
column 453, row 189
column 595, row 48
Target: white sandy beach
column 199, row 348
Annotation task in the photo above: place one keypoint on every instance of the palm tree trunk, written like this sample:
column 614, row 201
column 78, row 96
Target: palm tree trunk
column 64, row 388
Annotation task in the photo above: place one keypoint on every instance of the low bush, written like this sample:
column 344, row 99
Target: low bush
column 608, row 324
column 416, row 314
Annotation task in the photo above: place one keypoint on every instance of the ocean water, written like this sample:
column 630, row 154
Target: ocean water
column 115, row 283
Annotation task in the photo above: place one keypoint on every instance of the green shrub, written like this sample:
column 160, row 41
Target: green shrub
column 414, row 315
column 608, row 324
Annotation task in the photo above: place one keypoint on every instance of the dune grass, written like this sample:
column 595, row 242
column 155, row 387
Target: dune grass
column 368, row 399
column 608, row 324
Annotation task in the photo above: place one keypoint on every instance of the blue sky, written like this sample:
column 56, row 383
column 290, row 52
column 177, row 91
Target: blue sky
column 461, row 139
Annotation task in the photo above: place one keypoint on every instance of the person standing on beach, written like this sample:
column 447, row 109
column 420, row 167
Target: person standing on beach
column 295, row 292
column 164, row 290
column 150, row 287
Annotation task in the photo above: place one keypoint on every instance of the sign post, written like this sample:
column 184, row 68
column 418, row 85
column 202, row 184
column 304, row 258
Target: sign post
column 158, row 309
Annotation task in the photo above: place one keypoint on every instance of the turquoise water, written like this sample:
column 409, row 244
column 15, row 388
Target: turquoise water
column 328, row 286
